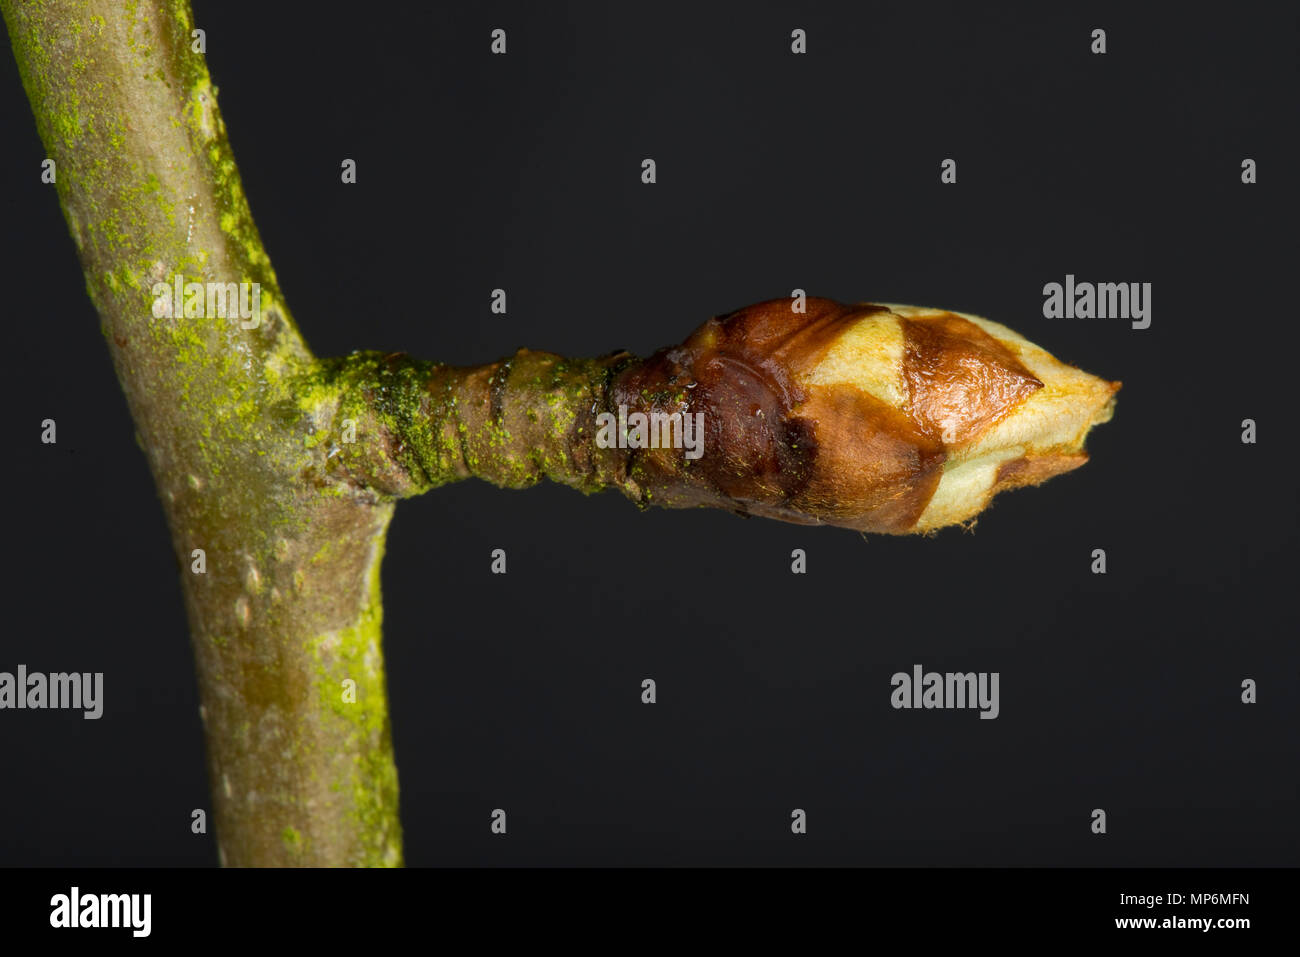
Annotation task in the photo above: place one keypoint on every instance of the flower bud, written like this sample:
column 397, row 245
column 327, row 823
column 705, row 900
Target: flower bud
column 880, row 418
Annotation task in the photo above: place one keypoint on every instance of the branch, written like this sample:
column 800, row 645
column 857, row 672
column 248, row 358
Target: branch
column 288, row 605
column 419, row 425
column 284, row 469
column 881, row 419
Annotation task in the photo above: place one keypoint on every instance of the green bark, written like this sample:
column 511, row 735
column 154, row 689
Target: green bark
column 283, row 469
column 289, row 605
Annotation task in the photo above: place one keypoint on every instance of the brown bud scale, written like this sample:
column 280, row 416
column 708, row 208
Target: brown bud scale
column 878, row 418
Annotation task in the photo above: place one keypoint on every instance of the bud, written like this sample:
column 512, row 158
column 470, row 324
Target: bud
column 880, row 418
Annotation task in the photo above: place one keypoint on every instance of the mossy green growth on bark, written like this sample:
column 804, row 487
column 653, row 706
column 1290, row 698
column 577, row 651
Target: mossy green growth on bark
column 292, row 839
column 352, row 689
column 418, row 425
column 148, row 184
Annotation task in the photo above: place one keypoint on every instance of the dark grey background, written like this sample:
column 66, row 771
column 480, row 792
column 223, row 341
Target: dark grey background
column 775, row 172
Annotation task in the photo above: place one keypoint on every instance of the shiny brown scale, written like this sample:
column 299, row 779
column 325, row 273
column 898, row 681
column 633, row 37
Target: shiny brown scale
column 961, row 380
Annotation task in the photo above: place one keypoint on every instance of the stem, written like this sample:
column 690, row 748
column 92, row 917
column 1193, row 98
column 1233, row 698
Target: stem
column 512, row 423
column 288, row 607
